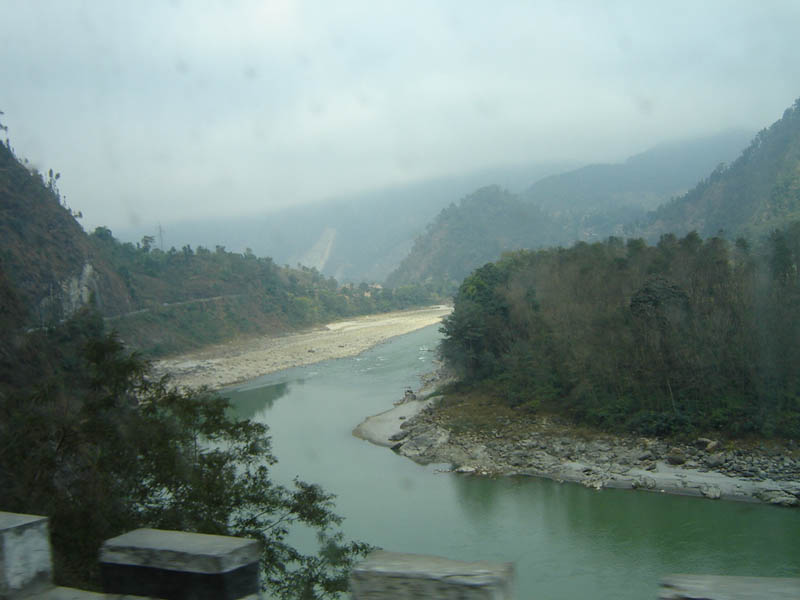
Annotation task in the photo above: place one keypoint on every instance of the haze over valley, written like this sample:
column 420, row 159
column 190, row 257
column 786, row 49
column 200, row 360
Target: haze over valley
column 487, row 274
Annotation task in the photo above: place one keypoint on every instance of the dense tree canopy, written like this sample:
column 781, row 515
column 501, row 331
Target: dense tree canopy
column 689, row 334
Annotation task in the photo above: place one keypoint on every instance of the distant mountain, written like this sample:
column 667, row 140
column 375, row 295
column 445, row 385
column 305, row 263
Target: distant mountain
column 361, row 237
column 758, row 192
column 643, row 181
column 589, row 203
column 476, row 230
column 595, row 201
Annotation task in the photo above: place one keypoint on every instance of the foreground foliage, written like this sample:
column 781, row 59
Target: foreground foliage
column 101, row 449
column 685, row 336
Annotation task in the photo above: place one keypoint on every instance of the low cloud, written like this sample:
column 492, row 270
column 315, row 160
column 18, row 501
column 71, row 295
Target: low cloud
column 164, row 110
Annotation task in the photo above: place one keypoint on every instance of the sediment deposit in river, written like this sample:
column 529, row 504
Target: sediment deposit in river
column 241, row 360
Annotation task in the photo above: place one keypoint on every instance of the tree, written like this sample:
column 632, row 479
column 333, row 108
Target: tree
column 689, row 335
column 476, row 333
column 101, row 448
column 103, row 233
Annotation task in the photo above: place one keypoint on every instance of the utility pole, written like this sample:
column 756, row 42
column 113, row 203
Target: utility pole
column 160, row 237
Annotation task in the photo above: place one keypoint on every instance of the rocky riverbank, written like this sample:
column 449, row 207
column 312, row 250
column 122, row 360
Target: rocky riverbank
column 544, row 448
column 384, row 428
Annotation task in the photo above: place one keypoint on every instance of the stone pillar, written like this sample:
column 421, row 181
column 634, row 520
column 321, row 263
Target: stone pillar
column 25, row 562
column 392, row 576
column 180, row 566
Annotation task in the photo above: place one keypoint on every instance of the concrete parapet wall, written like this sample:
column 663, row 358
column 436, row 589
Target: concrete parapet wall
column 180, row 566
column 718, row 587
column 390, row 575
column 65, row 593
column 25, row 561
column 175, row 565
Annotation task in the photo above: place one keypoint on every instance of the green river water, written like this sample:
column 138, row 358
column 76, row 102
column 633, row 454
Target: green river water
column 566, row 541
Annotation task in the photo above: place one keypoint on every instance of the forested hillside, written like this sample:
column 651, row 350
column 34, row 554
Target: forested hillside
column 587, row 204
column 159, row 301
column 759, row 191
column 191, row 297
column 44, row 251
column 684, row 336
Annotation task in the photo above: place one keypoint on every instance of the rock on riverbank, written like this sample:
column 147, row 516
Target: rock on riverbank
column 703, row 468
column 386, row 428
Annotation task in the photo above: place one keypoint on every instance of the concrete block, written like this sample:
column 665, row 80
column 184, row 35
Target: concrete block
column 719, row 587
column 65, row 593
column 25, row 561
column 390, row 575
column 180, row 566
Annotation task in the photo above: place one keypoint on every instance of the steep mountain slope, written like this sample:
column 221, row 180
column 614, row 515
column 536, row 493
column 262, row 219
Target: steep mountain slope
column 584, row 204
column 756, row 193
column 45, row 255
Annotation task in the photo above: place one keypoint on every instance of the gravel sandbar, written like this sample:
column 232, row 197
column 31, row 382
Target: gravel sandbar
column 241, row 360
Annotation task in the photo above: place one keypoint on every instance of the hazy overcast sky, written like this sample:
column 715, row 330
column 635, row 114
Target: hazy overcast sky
column 157, row 111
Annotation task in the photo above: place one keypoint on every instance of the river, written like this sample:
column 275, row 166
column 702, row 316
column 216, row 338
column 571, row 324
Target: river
column 566, row 541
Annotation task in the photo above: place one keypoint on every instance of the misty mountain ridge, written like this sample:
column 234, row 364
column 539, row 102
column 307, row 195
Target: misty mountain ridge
column 361, row 237
column 756, row 193
column 644, row 180
column 588, row 203
column 366, row 236
column 483, row 224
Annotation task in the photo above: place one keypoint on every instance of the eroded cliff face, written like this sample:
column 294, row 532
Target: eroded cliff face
column 68, row 295
column 48, row 262
column 78, row 289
